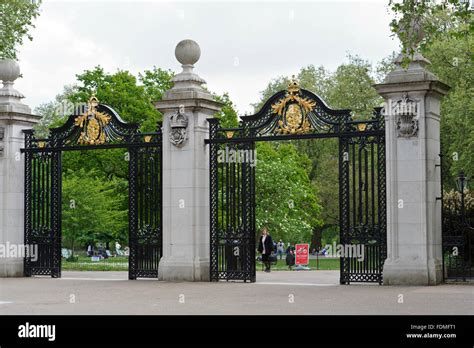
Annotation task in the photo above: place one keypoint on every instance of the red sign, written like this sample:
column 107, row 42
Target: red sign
column 302, row 254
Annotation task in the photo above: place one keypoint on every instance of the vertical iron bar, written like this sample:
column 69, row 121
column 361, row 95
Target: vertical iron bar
column 372, row 184
column 366, row 185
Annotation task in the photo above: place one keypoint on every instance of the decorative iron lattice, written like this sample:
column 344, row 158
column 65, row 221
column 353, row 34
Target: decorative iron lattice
column 457, row 225
column 362, row 204
column 299, row 114
column 99, row 128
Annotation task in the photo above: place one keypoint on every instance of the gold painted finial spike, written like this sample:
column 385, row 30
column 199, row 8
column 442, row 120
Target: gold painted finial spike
column 293, row 86
column 93, row 101
column 362, row 126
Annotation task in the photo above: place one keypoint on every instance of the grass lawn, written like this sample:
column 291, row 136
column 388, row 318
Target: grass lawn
column 84, row 263
column 120, row 263
column 324, row 264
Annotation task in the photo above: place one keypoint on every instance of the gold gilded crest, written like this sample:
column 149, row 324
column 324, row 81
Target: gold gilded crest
column 92, row 123
column 293, row 110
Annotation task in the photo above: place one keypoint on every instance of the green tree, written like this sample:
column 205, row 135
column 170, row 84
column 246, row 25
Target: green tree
column 109, row 162
column 121, row 90
column 324, row 177
column 348, row 87
column 448, row 44
column 285, row 202
column 16, row 20
column 452, row 61
column 97, row 180
column 436, row 18
column 156, row 82
column 132, row 99
column 315, row 79
column 227, row 115
column 54, row 113
column 91, row 210
column 384, row 67
column 351, row 88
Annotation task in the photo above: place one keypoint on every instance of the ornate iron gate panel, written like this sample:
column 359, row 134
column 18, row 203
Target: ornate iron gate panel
column 42, row 209
column 99, row 127
column 362, row 204
column 232, row 212
column 299, row 114
column 145, row 196
column 457, row 226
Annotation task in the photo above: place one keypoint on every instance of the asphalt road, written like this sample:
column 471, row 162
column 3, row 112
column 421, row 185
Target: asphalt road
column 310, row 292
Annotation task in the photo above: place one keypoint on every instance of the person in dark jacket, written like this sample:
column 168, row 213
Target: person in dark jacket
column 290, row 258
column 265, row 247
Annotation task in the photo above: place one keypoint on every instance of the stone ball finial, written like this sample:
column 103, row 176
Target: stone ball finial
column 414, row 30
column 9, row 70
column 187, row 52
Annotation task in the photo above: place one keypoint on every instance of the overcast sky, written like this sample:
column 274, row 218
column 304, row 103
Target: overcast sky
column 243, row 44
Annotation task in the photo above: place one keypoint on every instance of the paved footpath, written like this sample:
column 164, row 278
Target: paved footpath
column 279, row 292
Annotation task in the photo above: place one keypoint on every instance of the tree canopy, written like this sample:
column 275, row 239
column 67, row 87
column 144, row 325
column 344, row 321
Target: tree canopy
column 100, row 178
column 16, row 20
column 348, row 87
column 436, row 19
column 448, row 43
column 93, row 208
column 132, row 97
column 285, row 202
column 297, row 182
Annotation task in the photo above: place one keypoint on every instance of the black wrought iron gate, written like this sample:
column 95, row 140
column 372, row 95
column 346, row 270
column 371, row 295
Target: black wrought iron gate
column 145, row 202
column 362, row 208
column 42, row 209
column 299, row 114
column 457, row 224
column 98, row 128
column 232, row 204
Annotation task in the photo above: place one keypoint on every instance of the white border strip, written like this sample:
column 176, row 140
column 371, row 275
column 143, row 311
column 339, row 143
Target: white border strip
column 293, row 284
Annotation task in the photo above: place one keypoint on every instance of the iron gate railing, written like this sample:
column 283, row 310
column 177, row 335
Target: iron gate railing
column 362, row 207
column 457, row 226
column 99, row 128
column 299, row 114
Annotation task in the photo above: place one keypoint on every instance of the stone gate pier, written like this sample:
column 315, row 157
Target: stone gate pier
column 412, row 142
column 14, row 118
column 185, row 108
column 412, row 135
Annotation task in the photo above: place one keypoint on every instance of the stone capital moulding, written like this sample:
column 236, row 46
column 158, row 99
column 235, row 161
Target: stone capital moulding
column 406, row 112
column 178, row 128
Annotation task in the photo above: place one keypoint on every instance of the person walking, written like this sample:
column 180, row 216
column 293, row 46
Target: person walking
column 90, row 251
column 118, row 252
column 280, row 248
column 265, row 247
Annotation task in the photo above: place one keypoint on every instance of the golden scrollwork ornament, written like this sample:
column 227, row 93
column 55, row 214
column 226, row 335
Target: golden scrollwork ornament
column 293, row 111
column 93, row 124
